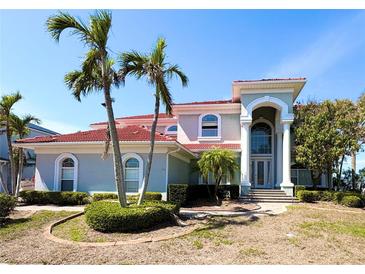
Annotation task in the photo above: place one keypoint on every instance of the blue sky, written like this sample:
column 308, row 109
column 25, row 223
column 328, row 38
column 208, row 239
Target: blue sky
column 213, row 47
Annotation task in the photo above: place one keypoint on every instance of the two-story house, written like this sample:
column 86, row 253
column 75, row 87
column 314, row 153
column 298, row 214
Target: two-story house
column 255, row 123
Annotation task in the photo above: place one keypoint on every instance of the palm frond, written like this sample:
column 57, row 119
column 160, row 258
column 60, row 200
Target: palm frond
column 158, row 53
column 8, row 101
column 62, row 21
column 19, row 125
column 165, row 95
column 100, row 24
column 175, row 70
column 82, row 84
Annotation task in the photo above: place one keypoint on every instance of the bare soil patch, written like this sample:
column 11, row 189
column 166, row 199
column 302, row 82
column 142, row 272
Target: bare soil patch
column 305, row 234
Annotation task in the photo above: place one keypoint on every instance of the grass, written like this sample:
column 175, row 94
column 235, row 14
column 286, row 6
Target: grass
column 340, row 227
column 74, row 229
column 252, row 251
column 16, row 227
column 198, row 244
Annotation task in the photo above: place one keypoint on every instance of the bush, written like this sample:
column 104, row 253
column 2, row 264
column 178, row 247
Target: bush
column 184, row 193
column 109, row 216
column 7, row 204
column 327, row 196
column 58, row 198
column 298, row 188
column 337, row 197
column 178, row 193
column 104, row 196
column 308, row 196
column 149, row 196
column 352, row 201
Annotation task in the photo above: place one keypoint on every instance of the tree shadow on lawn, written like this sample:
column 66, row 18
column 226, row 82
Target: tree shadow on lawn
column 9, row 222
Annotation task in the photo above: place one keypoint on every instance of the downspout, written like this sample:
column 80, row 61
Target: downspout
column 167, row 167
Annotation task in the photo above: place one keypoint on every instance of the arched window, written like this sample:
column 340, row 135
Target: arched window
column 171, row 129
column 66, row 173
column 210, row 124
column 261, row 139
column 133, row 172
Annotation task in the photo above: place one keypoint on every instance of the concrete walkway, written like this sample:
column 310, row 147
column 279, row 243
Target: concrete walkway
column 50, row 207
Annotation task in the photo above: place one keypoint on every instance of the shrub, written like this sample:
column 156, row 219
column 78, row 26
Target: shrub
column 58, row 198
column 184, row 193
column 327, row 196
column 178, row 193
column 352, row 201
column 298, row 188
column 148, row 196
column 337, row 197
column 109, row 216
column 104, row 196
column 7, row 204
column 308, row 196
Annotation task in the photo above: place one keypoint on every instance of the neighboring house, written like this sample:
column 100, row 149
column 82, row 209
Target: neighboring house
column 29, row 167
column 254, row 123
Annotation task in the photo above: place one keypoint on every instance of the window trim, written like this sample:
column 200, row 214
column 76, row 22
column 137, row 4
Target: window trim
column 200, row 129
column 125, row 158
column 58, row 171
column 167, row 131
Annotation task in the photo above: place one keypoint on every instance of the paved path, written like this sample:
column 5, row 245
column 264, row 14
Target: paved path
column 50, row 207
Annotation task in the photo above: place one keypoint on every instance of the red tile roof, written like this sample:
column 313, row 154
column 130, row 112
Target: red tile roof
column 207, row 102
column 129, row 133
column 210, row 146
column 147, row 116
column 273, row 79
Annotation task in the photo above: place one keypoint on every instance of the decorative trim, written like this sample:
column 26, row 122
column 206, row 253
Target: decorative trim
column 268, row 101
column 57, row 178
column 127, row 156
column 210, row 138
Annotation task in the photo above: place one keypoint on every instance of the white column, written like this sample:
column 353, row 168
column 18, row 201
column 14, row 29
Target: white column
column 279, row 157
column 245, row 156
column 286, row 184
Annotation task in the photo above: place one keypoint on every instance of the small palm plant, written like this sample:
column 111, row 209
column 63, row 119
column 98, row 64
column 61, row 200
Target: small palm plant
column 7, row 103
column 19, row 127
column 96, row 74
column 158, row 72
column 220, row 163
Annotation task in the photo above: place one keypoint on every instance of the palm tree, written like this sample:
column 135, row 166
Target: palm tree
column 96, row 74
column 220, row 163
column 19, row 127
column 6, row 105
column 153, row 66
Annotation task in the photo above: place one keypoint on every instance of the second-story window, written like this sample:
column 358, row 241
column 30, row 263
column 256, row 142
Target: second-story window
column 171, row 130
column 209, row 125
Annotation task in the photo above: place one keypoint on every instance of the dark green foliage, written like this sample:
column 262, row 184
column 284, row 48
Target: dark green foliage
column 7, row 204
column 58, row 198
column 308, row 196
column 338, row 196
column 327, row 196
column 352, row 201
column 178, row 193
column 298, row 188
column 184, row 193
column 149, row 196
column 109, row 216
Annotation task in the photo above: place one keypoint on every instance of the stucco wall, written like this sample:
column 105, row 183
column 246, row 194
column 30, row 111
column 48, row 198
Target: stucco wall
column 286, row 97
column 97, row 175
column 188, row 128
column 179, row 171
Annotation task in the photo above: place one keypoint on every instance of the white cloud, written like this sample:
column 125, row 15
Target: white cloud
column 339, row 41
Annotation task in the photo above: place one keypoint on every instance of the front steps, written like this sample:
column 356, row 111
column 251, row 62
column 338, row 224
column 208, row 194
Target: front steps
column 268, row 196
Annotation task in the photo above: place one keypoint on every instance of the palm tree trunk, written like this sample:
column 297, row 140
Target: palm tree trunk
column 117, row 158
column 353, row 169
column 3, row 184
column 20, row 172
column 11, row 158
column 152, row 145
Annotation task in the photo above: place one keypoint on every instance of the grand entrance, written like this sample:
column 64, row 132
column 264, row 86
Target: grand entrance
column 261, row 163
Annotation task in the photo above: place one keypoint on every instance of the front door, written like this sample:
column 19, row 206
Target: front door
column 261, row 173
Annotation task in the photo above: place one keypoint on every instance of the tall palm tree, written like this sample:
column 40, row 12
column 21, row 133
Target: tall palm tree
column 158, row 72
column 19, row 127
column 6, row 105
column 96, row 74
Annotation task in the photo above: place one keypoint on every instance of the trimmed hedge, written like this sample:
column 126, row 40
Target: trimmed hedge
column 356, row 200
column 7, row 204
column 61, row 198
column 298, row 188
column 149, row 196
column 184, row 193
column 109, row 216
column 352, row 201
